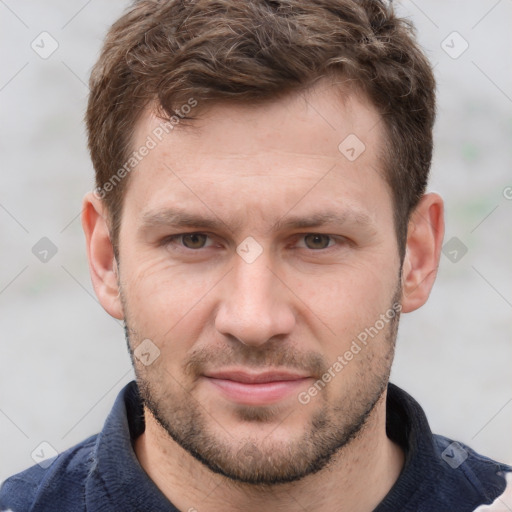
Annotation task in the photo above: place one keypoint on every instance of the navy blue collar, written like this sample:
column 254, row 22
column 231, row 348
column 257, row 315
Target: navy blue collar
column 117, row 481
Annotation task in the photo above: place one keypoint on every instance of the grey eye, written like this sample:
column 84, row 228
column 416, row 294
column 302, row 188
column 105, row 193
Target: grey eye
column 194, row 240
column 317, row 241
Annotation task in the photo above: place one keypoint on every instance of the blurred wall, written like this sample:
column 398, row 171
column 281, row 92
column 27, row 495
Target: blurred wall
column 63, row 359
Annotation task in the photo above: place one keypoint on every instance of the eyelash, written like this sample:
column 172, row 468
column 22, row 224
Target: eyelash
column 337, row 240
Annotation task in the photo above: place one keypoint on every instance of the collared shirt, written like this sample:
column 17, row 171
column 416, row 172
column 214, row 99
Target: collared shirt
column 102, row 473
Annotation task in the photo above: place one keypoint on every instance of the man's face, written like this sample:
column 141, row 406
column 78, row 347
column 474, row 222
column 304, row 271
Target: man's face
column 259, row 259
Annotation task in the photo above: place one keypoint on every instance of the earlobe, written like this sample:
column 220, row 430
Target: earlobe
column 100, row 253
column 424, row 241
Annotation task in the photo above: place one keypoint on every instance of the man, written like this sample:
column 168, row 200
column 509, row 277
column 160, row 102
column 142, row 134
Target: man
column 260, row 222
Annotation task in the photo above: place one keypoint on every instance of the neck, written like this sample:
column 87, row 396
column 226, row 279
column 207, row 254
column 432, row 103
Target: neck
column 357, row 479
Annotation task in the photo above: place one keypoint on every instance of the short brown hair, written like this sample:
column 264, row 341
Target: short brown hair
column 166, row 52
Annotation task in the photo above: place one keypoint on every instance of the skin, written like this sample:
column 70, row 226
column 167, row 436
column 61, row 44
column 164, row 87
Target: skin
column 298, row 306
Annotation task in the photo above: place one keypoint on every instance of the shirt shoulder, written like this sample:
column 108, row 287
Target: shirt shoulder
column 58, row 486
column 469, row 477
column 439, row 473
column 479, row 471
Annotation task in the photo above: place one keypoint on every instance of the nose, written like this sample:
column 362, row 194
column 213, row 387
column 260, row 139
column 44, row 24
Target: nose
column 255, row 306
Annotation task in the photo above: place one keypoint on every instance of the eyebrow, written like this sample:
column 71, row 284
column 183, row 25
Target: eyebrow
column 177, row 218
column 358, row 218
column 169, row 217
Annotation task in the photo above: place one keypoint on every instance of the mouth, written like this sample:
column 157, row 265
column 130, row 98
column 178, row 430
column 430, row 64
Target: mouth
column 248, row 388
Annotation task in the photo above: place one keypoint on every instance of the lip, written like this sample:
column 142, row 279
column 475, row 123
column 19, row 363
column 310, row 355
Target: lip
column 254, row 377
column 248, row 388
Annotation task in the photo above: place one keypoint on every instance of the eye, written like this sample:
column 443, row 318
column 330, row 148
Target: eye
column 192, row 241
column 318, row 241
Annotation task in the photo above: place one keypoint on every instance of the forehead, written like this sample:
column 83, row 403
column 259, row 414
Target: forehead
column 315, row 145
column 325, row 113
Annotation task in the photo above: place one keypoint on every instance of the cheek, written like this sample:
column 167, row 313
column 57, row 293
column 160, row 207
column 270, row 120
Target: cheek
column 347, row 300
column 347, row 289
column 166, row 303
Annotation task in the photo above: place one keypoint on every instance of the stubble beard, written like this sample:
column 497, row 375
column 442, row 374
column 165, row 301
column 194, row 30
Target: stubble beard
column 267, row 462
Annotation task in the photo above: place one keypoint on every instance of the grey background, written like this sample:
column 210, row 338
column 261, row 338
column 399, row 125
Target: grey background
column 63, row 359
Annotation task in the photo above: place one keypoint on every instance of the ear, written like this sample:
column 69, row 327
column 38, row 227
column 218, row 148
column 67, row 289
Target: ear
column 424, row 241
column 100, row 253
